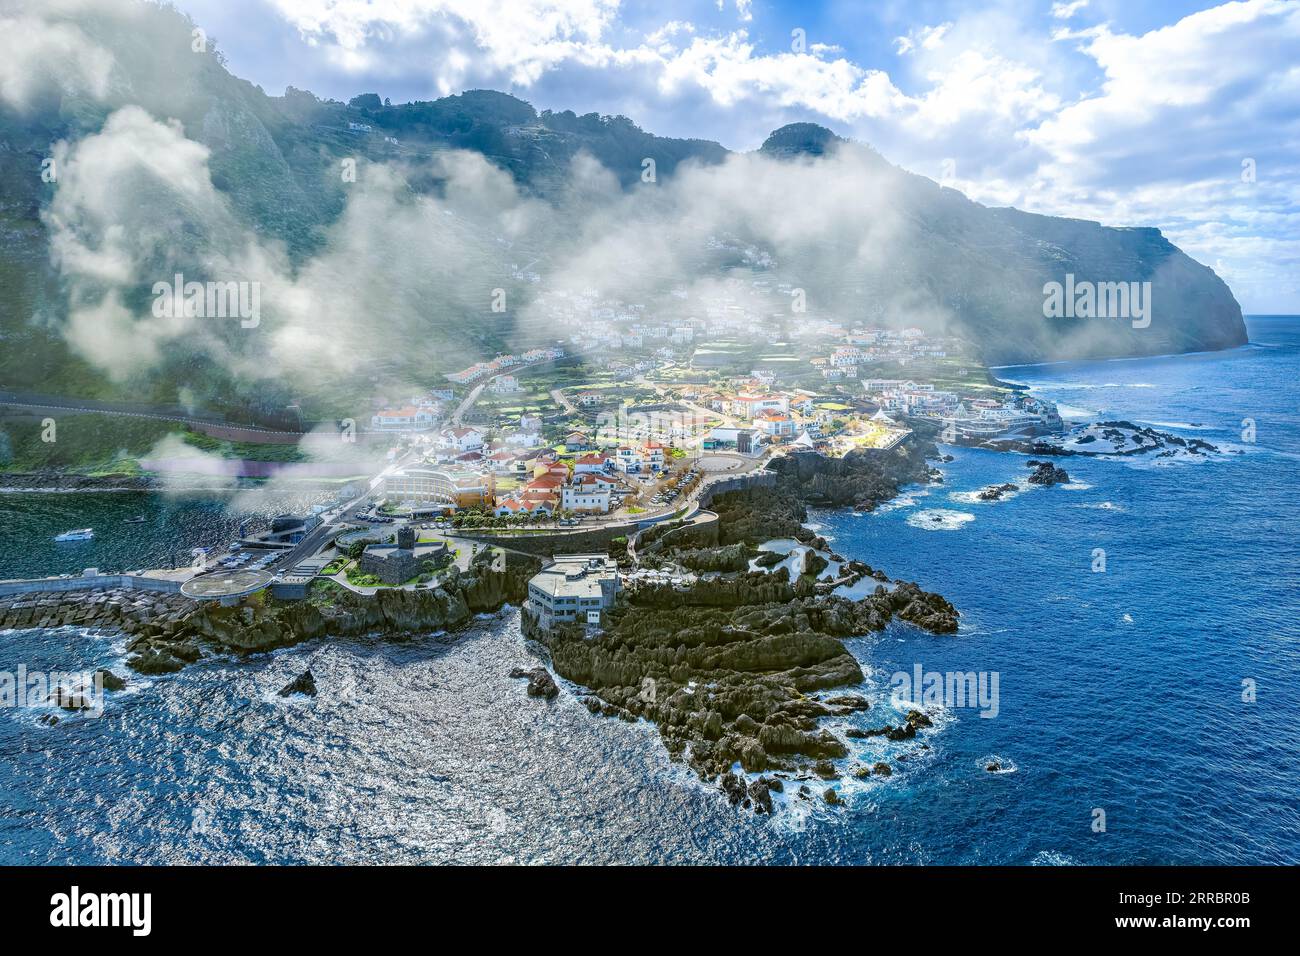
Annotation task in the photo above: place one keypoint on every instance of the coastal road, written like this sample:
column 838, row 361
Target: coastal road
column 558, row 396
column 46, row 404
column 314, row 539
column 469, row 400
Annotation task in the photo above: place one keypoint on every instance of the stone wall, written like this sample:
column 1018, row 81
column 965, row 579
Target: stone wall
column 126, row 609
column 593, row 540
column 133, row 582
column 721, row 486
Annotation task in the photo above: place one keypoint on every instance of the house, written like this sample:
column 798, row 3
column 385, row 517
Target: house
column 775, row 424
column 578, row 441
column 461, row 439
column 587, row 399
column 594, row 462
column 627, row 460
column 573, row 589
column 501, row 463
column 510, row 507
column 548, row 484
column 587, row 493
column 405, row 419
column 557, row 468
column 539, row 500
column 747, row 406
column 505, row 385
column 652, row 455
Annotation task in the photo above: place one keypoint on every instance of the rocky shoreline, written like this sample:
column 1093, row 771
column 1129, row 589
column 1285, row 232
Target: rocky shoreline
column 167, row 632
column 736, row 667
column 741, row 667
column 1110, row 438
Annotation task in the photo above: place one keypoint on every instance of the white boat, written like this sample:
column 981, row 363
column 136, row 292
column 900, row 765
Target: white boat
column 80, row 534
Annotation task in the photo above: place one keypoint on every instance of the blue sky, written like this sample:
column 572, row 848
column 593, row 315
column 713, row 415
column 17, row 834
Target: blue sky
column 1130, row 113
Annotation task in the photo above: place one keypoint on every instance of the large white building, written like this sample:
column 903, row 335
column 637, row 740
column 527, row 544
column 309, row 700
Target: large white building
column 574, row 589
column 408, row 418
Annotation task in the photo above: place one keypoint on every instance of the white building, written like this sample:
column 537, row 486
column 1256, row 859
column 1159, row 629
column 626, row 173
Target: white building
column 461, row 439
column 406, row 419
column 574, row 589
column 587, row 492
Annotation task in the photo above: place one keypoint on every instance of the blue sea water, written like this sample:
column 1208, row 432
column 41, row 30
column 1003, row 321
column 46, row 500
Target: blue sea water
column 1119, row 691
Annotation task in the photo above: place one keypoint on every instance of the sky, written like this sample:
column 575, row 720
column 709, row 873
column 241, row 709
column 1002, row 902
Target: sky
column 1179, row 115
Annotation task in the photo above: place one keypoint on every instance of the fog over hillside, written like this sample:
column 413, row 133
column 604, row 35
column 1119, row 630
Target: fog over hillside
column 378, row 235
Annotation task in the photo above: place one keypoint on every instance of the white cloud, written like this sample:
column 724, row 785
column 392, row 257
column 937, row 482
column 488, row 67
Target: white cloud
column 520, row 39
column 1064, row 11
column 925, row 38
column 36, row 55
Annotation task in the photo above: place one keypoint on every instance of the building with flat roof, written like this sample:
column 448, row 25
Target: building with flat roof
column 575, row 588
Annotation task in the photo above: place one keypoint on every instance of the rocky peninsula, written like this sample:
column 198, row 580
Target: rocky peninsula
column 736, row 668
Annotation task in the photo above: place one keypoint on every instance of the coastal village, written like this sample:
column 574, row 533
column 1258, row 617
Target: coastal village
column 630, row 466
column 621, row 423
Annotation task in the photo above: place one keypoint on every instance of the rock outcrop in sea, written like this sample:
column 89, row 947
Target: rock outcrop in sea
column 1047, row 473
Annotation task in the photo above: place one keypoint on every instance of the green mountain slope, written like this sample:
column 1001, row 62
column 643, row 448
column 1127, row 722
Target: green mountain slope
column 274, row 162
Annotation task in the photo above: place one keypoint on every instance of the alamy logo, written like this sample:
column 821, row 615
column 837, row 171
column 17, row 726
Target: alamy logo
column 950, row 689
column 624, row 426
column 81, row 691
column 74, row 909
column 1098, row 300
column 209, row 300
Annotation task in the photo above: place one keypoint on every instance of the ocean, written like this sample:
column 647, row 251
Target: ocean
column 1146, row 712
column 174, row 523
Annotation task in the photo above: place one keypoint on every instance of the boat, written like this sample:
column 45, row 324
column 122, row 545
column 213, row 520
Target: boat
column 80, row 534
column 138, row 519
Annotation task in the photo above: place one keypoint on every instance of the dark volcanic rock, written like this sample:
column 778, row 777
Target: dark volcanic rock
column 761, row 795
column 995, row 492
column 70, row 700
column 110, row 681
column 1046, row 473
column 542, row 684
column 729, row 668
column 304, row 683
column 340, row 612
column 153, row 661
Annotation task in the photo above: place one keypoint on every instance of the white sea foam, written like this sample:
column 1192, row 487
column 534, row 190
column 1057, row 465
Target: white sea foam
column 1052, row 858
column 895, row 504
column 940, row 519
column 1005, row 764
column 973, row 497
